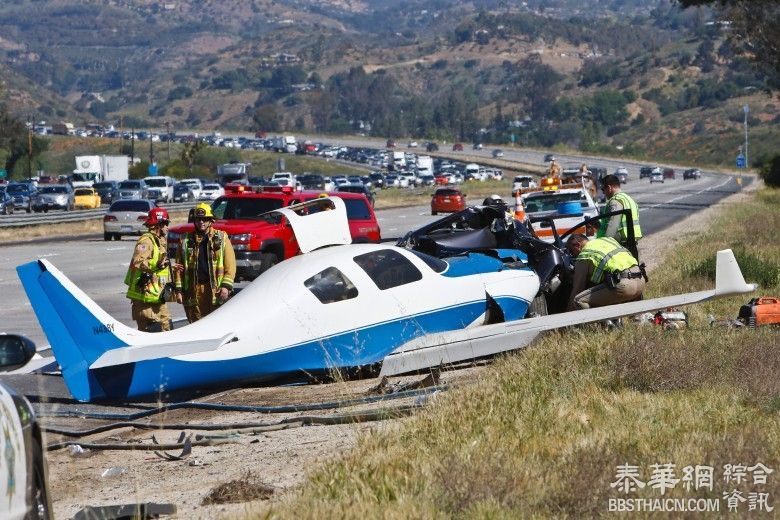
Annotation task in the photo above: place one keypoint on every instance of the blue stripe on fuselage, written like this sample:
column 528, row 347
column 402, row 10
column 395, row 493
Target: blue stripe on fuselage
column 349, row 349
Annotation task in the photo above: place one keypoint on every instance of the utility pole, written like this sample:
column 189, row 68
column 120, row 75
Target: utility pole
column 132, row 146
column 168, row 137
column 746, row 109
column 151, row 147
column 29, row 146
column 121, row 134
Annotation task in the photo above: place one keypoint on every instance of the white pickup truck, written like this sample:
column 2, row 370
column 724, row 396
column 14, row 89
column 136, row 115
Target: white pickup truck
column 568, row 207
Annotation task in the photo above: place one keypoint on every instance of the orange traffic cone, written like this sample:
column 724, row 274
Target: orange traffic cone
column 519, row 209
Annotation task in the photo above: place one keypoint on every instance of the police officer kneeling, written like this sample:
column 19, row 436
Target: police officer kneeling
column 613, row 274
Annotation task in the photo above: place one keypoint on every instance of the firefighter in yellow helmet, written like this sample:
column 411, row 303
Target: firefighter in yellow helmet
column 148, row 273
column 206, row 266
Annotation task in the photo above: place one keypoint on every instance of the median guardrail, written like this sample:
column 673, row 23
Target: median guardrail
column 18, row 219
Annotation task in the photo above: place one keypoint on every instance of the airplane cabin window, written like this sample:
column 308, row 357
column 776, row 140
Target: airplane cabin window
column 331, row 285
column 434, row 263
column 388, row 268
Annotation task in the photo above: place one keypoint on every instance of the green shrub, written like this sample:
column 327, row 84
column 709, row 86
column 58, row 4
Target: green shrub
column 766, row 273
column 770, row 172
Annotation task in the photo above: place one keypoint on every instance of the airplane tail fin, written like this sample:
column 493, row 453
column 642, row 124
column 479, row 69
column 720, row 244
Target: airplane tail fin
column 728, row 276
column 78, row 330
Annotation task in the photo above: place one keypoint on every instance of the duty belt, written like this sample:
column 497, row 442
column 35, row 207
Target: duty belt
column 629, row 275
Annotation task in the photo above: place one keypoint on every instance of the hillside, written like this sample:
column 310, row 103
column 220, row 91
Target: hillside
column 636, row 77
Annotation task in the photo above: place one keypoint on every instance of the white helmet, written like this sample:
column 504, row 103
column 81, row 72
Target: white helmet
column 493, row 200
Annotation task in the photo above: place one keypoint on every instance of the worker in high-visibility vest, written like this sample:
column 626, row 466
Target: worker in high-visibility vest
column 148, row 273
column 205, row 266
column 605, row 273
column 617, row 226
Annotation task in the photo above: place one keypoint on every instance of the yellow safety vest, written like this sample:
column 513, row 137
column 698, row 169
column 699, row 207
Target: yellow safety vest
column 627, row 203
column 152, row 291
column 216, row 260
column 607, row 256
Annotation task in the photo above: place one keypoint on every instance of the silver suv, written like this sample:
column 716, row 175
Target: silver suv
column 53, row 196
column 133, row 189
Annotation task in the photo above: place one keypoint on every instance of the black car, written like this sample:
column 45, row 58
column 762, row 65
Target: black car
column 312, row 181
column 378, row 180
column 182, row 192
column 645, row 171
column 6, row 203
column 358, row 188
column 692, row 173
column 21, row 442
column 432, row 147
column 108, row 191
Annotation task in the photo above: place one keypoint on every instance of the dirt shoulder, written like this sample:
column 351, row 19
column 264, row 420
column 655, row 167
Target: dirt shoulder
column 280, row 457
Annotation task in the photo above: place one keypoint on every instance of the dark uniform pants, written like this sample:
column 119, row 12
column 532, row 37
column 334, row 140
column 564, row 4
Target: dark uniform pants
column 151, row 314
column 204, row 302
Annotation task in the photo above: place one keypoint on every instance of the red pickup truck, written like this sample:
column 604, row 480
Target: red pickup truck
column 261, row 241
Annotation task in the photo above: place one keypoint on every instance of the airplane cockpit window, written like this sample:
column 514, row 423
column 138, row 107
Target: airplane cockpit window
column 388, row 268
column 438, row 265
column 331, row 285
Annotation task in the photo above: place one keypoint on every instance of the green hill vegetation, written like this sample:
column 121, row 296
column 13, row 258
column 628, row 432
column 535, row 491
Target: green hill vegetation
column 638, row 78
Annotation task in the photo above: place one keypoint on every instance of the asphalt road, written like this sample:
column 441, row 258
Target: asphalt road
column 98, row 267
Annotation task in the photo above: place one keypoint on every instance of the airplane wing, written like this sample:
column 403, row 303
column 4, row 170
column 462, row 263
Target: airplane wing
column 460, row 345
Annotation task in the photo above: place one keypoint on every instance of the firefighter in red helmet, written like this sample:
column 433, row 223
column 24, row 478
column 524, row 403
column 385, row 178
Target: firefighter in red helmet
column 149, row 273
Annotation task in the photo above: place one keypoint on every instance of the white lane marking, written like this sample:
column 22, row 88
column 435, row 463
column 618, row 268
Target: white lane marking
column 690, row 194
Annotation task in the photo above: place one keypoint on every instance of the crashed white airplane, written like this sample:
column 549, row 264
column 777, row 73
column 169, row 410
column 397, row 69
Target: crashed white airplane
column 337, row 307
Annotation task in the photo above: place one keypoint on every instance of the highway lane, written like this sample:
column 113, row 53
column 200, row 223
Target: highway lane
column 98, row 267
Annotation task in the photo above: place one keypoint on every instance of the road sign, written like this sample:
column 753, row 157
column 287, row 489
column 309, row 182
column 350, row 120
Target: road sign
column 3, row 173
column 152, row 169
column 741, row 161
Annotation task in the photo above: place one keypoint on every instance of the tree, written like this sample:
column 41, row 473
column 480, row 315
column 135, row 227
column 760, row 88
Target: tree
column 755, row 28
column 770, row 172
column 189, row 151
column 267, row 118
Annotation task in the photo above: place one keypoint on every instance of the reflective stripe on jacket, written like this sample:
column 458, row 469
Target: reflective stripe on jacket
column 606, row 256
column 152, row 290
column 217, row 240
column 627, row 203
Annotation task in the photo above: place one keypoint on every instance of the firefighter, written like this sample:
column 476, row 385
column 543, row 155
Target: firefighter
column 148, row 273
column 611, row 271
column 617, row 226
column 205, row 266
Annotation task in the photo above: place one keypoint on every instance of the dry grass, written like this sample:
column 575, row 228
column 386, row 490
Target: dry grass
column 245, row 489
column 542, row 432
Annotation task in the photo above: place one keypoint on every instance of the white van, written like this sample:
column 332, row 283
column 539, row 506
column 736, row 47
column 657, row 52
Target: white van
column 284, row 179
column 472, row 171
column 196, row 185
column 160, row 188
